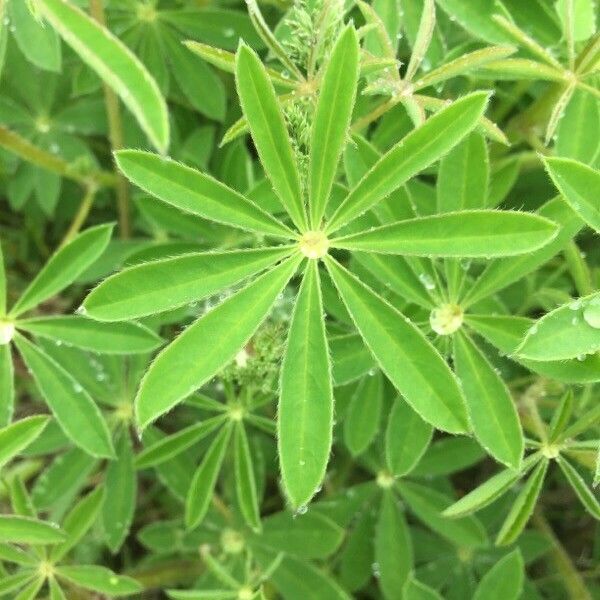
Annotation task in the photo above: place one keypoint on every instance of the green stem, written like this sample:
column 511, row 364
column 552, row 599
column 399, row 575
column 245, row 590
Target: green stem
column 26, row 150
column 571, row 578
column 578, row 269
column 115, row 130
column 81, row 215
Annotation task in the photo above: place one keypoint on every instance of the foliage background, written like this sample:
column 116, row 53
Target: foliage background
column 375, row 528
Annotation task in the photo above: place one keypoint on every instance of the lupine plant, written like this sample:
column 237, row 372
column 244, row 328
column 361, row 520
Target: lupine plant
column 299, row 299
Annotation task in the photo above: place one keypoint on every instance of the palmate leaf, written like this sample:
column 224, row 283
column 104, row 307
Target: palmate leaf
column 269, row 132
column 305, row 415
column 72, row 406
column 472, row 233
column 416, row 151
column 168, row 283
column 579, row 185
column 569, row 331
column 7, row 385
column 115, row 64
column 187, row 363
column 491, row 408
column 196, row 193
column 64, row 267
column 410, row 362
column 331, row 121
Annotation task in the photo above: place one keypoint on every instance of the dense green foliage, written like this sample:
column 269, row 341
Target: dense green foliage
column 299, row 300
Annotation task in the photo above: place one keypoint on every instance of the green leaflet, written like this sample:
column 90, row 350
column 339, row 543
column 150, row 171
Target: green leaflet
column 406, row 438
column 504, row 581
column 491, row 490
column 78, row 522
column 205, row 478
column 201, row 86
column 99, row 579
column 364, row 414
column 25, row 530
column 393, row 547
column 501, row 273
column 73, row 408
column 570, row 331
column 410, row 362
column 269, row 132
column 412, row 154
column 579, row 185
column 449, row 455
column 492, row 411
column 300, row 580
column 63, row 478
column 115, row 64
column 308, row 535
column 165, row 284
column 103, row 338
column 245, row 481
column 350, row 358
column 463, row 176
column 64, row 267
column 428, row 505
column 226, row 61
column 12, row 583
column 172, row 445
column 187, row 363
column 522, row 506
column 305, row 415
column 39, row 44
column 506, row 333
column 331, row 121
column 473, row 233
column 357, row 556
column 121, row 491
column 195, row 192
column 17, row 436
column 56, row 592
column 585, row 495
column 474, row 15
column 415, row 590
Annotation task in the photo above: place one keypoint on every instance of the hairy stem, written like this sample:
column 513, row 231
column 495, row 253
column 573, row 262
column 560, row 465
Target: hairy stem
column 26, row 150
